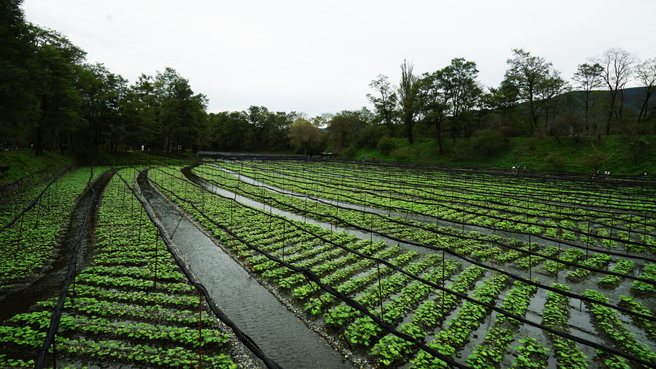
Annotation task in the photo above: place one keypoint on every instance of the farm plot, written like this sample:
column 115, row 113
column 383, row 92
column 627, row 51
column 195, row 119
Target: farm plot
column 486, row 321
column 132, row 307
column 32, row 223
column 596, row 215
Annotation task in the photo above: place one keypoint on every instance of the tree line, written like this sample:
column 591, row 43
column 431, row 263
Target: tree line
column 533, row 99
column 51, row 99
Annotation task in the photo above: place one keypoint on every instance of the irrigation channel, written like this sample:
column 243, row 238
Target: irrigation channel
column 407, row 268
column 578, row 322
column 50, row 283
column 278, row 332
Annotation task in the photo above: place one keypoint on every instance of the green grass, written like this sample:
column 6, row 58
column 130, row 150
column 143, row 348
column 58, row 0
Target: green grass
column 620, row 154
column 26, row 162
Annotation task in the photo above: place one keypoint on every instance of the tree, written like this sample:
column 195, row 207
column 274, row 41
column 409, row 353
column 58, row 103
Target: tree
column 322, row 121
column 18, row 98
column 385, row 105
column 346, row 128
column 549, row 94
column 303, row 135
column 502, row 102
column 462, row 90
column 503, row 98
column 588, row 78
column 231, row 131
column 141, row 110
column 432, row 104
column 529, row 74
column 57, row 70
column 102, row 93
column 407, row 91
column 275, row 129
column 646, row 75
column 182, row 117
column 270, row 129
column 617, row 67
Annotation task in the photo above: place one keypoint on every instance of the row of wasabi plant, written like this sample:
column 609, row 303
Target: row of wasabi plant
column 31, row 243
column 427, row 195
column 429, row 233
column 389, row 295
column 133, row 307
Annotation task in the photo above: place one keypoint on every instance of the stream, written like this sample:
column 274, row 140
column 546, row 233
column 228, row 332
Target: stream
column 277, row 331
column 580, row 324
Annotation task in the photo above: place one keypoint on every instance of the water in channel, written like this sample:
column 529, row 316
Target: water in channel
column 51, row 283
column 276, row 330
column 580, row 326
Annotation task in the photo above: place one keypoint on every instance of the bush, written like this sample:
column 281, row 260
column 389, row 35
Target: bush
column 595, row 160
column 557, row 161
column 387, row 144
column 487, row 141
column 401, row 153
column 349, row 153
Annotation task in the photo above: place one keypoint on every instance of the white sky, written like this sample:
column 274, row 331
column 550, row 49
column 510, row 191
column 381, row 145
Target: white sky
column 320, row 56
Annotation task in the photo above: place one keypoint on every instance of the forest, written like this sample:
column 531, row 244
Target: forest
column 52, row 99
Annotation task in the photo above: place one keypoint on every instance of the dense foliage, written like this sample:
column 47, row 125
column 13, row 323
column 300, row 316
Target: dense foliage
column 50, row 98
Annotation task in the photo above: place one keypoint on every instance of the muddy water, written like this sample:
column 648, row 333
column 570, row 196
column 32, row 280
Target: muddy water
column 51, row 283
column 276, row 330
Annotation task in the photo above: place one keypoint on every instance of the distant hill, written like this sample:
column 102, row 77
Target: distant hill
column 634, row 97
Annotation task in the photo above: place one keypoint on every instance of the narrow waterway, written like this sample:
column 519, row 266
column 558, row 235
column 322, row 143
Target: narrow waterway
column 537, row 302
column 301, row 218
column 276, row 330
column 385, row 212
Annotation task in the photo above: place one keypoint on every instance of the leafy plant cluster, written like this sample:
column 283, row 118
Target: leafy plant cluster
column 394, row 295
column 555, row 316
column 463, row 203
column 131, row 308
column 612, row 327
column 499, row 338
column 595, row 261
column 623, row 266
column 632, row 304
column 457, row 332
column 640, row 287
column 531, row 355
column 31, row 243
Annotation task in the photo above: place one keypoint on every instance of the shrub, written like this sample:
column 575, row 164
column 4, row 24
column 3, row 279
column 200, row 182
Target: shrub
column 387, row 144
column 557, row 161
column 487, row 141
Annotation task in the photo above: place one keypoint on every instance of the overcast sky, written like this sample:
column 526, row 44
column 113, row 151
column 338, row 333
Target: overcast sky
column 320, row 56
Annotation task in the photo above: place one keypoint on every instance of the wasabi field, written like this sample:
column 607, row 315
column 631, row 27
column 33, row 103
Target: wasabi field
column 388, row 265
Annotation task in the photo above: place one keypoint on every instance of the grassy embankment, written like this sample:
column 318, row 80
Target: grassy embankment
column 620, row 155
column 23, row 163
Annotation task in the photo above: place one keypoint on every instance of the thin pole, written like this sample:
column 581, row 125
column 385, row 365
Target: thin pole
column 380, row 293
column 200, row 330
column 155, row 276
